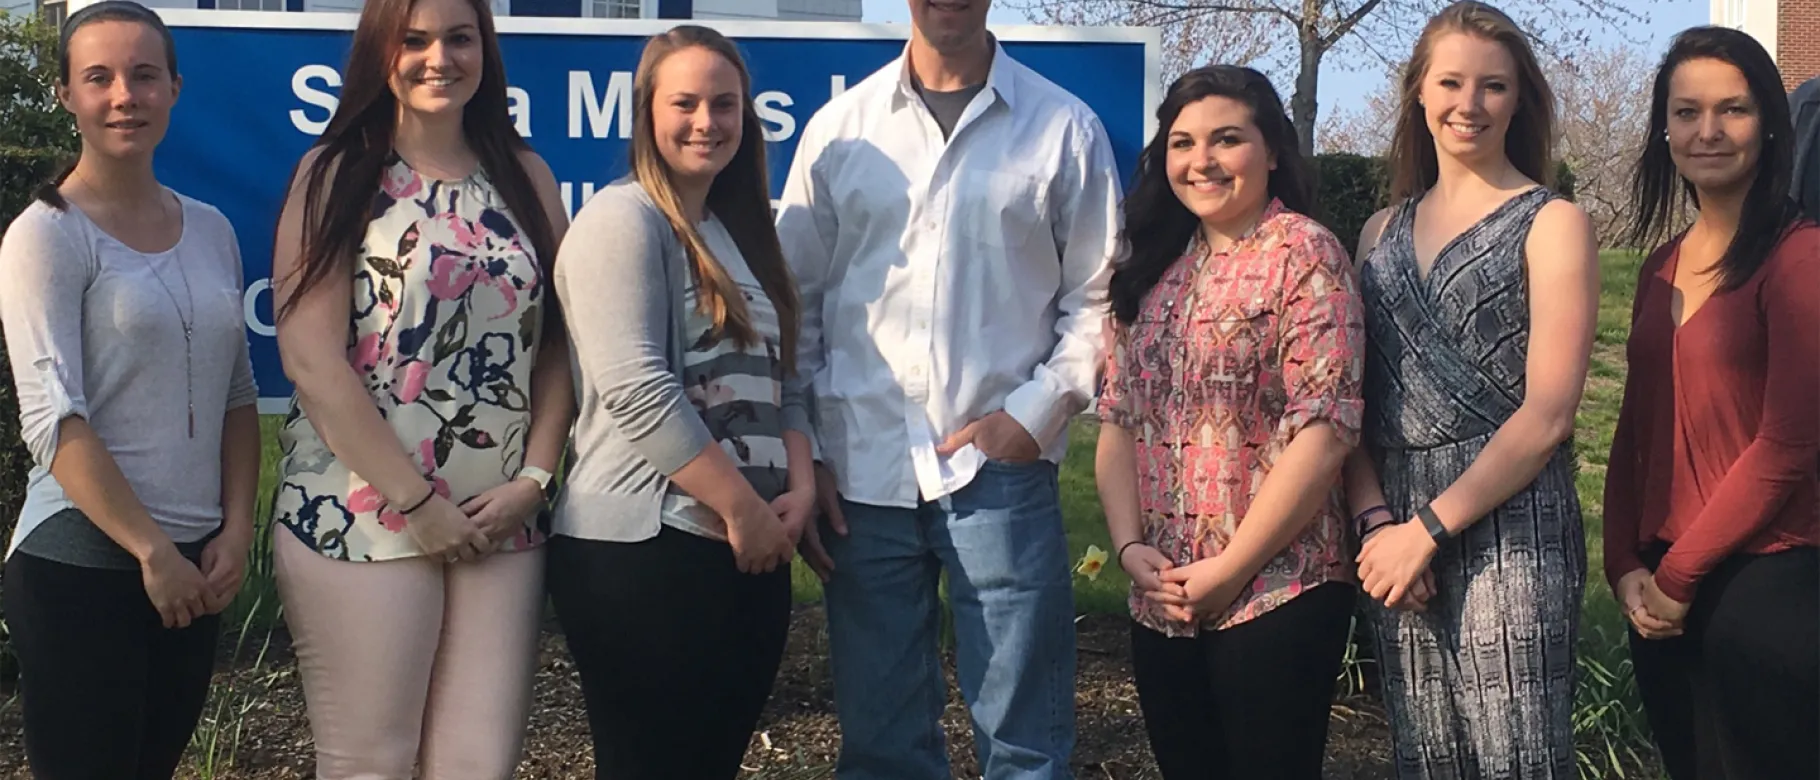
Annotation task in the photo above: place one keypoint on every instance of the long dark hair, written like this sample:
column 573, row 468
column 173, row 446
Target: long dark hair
column 1157, row 225
column 104, row 11
column 1528, row 143
column 740, row 198
column 1768, row 211
column 357, row 145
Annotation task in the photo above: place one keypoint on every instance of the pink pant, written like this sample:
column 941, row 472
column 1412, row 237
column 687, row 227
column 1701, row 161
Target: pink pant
column 413, row 661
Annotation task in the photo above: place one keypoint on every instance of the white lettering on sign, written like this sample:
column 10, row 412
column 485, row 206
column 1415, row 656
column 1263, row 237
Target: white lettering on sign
column 518, row 104
column 771, row 111
column 597, row 110
column 250, row 301
column 570, row 204
column 303, row 86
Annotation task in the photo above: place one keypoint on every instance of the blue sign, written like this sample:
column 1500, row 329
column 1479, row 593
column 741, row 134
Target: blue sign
column 259, row 87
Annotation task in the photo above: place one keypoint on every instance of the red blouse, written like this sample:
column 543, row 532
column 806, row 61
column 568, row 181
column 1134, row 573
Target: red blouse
column 1231, row 356
column 1718, row 443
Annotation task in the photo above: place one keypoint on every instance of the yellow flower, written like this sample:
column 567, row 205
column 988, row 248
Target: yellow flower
column 1091, row 562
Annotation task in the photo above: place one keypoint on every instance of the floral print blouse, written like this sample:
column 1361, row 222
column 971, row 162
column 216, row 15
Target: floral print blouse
column 447, row 317
column 1233, row 354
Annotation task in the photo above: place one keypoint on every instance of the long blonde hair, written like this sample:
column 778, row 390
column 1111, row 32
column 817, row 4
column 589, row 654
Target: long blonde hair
column 740, row 198
column 1529, row 143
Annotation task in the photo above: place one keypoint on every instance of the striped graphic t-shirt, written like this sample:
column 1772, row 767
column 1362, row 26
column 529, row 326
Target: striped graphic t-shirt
column 737, row 391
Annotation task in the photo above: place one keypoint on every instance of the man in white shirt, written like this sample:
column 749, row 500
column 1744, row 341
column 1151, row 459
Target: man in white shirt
column 950, row 221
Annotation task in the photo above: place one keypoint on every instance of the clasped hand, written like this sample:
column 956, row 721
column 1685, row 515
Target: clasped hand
column 1393, row 566
column 1653, row 613
column 1186, row 594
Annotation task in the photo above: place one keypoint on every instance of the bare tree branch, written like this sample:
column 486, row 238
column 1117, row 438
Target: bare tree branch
column 1347, row 24
column 1382, row 30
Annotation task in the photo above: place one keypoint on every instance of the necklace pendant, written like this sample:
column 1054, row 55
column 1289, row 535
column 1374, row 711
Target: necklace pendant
column 192, row 421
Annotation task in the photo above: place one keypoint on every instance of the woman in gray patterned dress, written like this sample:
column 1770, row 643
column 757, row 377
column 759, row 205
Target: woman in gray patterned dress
column 1481, row 291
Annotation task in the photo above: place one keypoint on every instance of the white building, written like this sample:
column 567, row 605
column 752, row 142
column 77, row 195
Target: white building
column 788, row 10
column 1756, row 18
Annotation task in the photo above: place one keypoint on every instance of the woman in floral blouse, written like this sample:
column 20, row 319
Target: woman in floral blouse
column 1232, row 398
column 411, row 276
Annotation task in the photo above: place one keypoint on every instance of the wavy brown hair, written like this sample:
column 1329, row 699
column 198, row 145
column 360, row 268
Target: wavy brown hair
column 1157, row 225
column 1529, row 143
column 358, row 143
column 740, row 198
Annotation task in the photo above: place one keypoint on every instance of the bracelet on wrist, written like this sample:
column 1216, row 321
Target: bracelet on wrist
column 1436, row 530
column 1122, row 548
column 429, row 494
column 1359, row 520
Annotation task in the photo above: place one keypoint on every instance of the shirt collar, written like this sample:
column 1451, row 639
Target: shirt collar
column 1272, row 210
column 1000, row 78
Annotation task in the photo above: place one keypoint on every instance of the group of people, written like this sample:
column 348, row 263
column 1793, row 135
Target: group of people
column 880, row 375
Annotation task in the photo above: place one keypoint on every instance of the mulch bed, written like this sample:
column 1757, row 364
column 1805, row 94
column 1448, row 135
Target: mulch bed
column 797, row 738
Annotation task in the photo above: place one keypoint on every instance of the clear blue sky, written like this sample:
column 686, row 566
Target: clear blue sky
column 1341, row 89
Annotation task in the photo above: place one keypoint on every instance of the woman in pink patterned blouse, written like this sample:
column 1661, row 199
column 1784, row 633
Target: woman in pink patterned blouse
column 1232, row 397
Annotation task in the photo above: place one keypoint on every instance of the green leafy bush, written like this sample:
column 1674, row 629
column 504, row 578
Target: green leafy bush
column 1349, row 188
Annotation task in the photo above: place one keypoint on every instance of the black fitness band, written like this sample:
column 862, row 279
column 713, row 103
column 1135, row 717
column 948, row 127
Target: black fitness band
column 1436, row 531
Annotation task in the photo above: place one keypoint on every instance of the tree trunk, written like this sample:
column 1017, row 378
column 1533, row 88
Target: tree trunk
column 1303, row 108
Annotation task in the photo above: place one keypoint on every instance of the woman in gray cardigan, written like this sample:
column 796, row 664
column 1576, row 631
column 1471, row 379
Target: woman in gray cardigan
column 691, row 477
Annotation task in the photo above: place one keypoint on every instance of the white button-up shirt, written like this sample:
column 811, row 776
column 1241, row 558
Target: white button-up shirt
column 943, row 280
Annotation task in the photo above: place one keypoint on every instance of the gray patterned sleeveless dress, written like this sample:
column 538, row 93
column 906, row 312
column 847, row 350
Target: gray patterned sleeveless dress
column 1482, row 684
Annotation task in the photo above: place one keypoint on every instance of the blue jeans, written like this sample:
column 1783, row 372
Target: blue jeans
column 1001, row 541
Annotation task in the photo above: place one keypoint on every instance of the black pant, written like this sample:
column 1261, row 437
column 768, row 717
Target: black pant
column 1250, row 702
column 676, row 648
column 107, row 691
column 1737, row 695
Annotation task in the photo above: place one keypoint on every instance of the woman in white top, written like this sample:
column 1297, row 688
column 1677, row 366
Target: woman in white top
column 121, row 302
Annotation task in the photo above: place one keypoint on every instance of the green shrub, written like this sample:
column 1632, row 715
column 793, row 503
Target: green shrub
column 1564, row 179
column 1349, row 188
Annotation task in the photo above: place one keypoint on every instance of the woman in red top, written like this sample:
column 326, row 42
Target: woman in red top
column 1711, row 518
column 1232, row 397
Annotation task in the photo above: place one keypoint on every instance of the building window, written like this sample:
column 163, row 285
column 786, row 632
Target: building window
column 53, row 12
column 250, row 5
column 615, row 9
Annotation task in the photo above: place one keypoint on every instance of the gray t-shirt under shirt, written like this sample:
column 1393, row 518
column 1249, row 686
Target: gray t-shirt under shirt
column 948, row 106
column 93, row 330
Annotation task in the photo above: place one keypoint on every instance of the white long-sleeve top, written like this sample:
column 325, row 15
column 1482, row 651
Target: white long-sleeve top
column 943, row 280
column 94, row 329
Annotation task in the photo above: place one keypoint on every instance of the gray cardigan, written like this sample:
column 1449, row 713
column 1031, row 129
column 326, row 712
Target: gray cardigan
column 623, row 277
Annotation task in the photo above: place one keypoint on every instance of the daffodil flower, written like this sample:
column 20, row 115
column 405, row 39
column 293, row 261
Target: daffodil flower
column 1091, row 562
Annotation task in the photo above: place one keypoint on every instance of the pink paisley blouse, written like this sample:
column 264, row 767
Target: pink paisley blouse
column 1231, row 356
